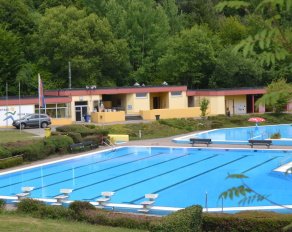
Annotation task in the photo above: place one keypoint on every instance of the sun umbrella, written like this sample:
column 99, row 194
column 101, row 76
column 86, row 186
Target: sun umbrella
column 256, row 120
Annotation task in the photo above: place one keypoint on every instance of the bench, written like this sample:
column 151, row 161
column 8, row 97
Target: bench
column 253, row 142
column 76, row 147
column 194, row 141
column 90, row 144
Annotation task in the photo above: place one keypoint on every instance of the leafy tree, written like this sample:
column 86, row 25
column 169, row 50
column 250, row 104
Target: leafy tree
column 279, row 93
column 272, row 43
column 204, row 106
column 11, row 58
column 190, row 57
column 233, row 70
column 69, row 34
column 144, row 25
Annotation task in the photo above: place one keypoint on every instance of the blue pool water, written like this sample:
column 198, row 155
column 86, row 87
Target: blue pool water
column 181, row 176
column 241, row 135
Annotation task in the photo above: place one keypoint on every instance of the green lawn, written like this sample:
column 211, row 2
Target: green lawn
column 17, row 223
column 14, row 135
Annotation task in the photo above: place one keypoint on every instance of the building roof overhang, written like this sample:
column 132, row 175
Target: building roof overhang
column 226, row 92
column 116, row 90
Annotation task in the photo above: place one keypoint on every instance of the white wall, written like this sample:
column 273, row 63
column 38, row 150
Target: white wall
column 10, row 113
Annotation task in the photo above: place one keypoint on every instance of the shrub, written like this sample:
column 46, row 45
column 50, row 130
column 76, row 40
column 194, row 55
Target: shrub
column 31, row 152
column 78, row 207
column 4, row 153
column 246, row 222
column 185, row 220
column 53, row 212
column 2, row 204
column 83, row 130
column 132, row 221
column 11, row 162
column 29, row 206
column 59, row 143
column 77, row 138
column 95, row 138
column 276, row 135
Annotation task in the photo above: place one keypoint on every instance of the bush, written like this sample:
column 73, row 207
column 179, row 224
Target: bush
column 78, row 207
column 11, row 162
column 59, row 143
column 29, row 206
column 83, row 130
column 185, row 220
column 97, row 139
column 4, row 153
column 53, row 212
column 246, row 222
column 131, row 221
column 2, row 204
column 32, row 152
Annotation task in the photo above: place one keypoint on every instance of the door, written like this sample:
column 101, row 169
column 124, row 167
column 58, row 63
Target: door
column 230, row 106
column 80, row 110
column 156, row 102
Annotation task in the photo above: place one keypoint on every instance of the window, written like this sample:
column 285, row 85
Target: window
column 141, row 95
column 176, row 93
column 55, row 110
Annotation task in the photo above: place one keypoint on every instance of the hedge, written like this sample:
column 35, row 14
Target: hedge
column 11, row 161
column 83, row 130
column 246, row 222
column 59, row 143
column 185, row 220
column 4, row 153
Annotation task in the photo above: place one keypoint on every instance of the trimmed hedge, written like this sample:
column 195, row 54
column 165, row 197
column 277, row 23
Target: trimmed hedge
column 83, row 130
column 59, row 143
column 4, row 153
column 185, row 220
column 11, row 162
column 246, row 222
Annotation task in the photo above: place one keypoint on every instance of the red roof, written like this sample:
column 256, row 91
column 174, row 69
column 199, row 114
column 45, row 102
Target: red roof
column 226, row 92
column 117, row 90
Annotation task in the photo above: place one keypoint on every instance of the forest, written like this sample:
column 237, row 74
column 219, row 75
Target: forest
column 203, row 44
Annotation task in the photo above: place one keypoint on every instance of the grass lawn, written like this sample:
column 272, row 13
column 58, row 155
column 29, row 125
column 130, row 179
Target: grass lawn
column 14, row 135
column 17, row 223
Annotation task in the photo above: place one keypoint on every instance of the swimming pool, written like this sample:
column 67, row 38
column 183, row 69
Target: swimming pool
column 241, row 135
column 181, row 176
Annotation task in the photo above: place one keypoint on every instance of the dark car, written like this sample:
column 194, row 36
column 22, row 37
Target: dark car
column 32, row 120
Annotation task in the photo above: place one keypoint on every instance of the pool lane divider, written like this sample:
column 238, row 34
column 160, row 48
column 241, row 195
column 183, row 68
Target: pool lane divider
column 66, row 170
column 256, row 166
column 190, row 178
column 105, row 169
column 156, row 176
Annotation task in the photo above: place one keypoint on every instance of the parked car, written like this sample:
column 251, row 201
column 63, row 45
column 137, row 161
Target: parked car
column 32, row 120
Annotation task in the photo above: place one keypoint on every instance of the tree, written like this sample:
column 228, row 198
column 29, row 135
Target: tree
column 190, row 57
column 144, row 25
column 272, row 43
column 68, row 34
column 278, row 95
column 11, row 58
column 204, row 106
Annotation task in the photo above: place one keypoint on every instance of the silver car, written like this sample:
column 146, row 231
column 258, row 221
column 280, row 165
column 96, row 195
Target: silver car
column 32, row 120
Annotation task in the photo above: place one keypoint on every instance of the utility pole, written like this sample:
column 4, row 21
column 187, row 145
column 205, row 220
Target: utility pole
column 69, row 74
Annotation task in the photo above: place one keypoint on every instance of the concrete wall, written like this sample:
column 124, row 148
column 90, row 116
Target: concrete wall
column 105, row 117
column 171, row 113
column 61, row 121
column 178, row 102
column 135, row 104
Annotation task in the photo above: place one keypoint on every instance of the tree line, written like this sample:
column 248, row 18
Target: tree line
column 201, row 44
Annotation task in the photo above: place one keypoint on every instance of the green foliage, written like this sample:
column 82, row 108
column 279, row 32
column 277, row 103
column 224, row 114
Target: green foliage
column 2, row 205
column 246, row 221
column 79, row 207
column 82, row 129
column 59, row 143
column 276, row 135
column 204, row 106
column 185, row 220
column 53, row 212
column 279, row 93
column 29, row 206
column 4, row 153
column 11, row 162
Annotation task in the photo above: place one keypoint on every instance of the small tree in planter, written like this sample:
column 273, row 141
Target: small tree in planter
column 204, row 106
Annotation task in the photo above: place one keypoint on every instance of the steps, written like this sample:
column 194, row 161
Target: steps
column 132, row 117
